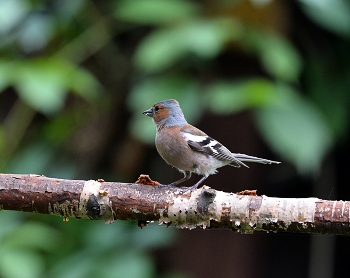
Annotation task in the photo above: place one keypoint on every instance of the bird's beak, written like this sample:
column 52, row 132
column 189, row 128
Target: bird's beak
column 148, row 112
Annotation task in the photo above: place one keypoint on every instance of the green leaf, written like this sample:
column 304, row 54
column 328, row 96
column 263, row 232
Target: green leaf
column 33, row 159
column 159, row 50
column 225, row 97
column 12, row 14
column 155, row 11
column 321, row 79
column 277, row 54
column 9, row 221
column 44, row 96
column 33, row 236
column 204, row 38
column 68, row 267
column 44, row 83
column 331, row 14
column 296, row 129
column 130, row 264
column 59, row 128
column 156, row 235
column 6, row 72
column 2, row 139
column 20, row 263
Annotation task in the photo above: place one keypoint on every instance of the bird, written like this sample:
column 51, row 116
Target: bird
column 189, row 149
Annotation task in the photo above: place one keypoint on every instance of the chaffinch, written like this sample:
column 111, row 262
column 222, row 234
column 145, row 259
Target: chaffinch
column 189, row 149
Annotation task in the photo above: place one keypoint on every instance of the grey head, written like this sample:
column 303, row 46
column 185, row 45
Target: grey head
column 167, row 113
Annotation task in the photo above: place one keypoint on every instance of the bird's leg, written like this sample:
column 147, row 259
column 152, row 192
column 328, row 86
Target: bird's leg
column 187, row 175
column 197, row 184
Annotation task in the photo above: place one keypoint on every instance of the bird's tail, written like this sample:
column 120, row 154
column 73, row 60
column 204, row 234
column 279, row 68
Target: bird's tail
column 248, row 158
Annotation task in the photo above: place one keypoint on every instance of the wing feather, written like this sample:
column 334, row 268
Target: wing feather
column 200, row 142
column 210, row 146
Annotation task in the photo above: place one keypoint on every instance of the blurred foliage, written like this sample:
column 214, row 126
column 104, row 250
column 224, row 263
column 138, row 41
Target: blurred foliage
column 333, row 15
column 75, row 75
column 44, row 83
column 42, row 248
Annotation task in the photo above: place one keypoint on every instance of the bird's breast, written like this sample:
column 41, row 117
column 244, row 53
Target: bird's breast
column 174, row 149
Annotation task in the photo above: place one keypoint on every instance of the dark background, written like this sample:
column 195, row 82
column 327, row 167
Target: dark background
column 265, row 78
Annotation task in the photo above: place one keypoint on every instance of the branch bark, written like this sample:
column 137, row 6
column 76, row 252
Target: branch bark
column 204, row 207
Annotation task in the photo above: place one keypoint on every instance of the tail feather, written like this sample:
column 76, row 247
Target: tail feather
column 248, row 158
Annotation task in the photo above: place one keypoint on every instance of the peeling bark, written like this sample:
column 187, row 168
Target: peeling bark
column 205, row 207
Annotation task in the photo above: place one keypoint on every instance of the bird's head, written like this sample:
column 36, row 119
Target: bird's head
column 167, row 112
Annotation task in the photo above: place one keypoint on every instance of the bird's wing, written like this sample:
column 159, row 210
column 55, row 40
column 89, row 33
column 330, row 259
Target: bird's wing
column 209, row 146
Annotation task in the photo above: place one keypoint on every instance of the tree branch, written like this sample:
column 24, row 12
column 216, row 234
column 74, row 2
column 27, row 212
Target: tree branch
column 204, row 207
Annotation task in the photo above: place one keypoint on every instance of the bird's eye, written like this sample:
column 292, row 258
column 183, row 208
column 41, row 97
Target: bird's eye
column 156, row 108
